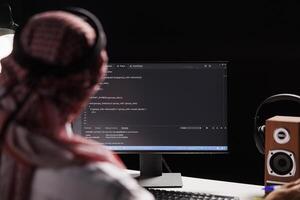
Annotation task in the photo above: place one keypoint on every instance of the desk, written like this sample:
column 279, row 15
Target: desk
column 243, row 191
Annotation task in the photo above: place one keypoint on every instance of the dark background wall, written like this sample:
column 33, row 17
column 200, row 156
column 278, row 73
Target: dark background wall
column 260, row 39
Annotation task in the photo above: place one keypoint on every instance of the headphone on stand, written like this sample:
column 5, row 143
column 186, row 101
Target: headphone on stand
column 259, row 130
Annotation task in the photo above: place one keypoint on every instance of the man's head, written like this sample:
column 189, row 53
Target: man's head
column 62, row 56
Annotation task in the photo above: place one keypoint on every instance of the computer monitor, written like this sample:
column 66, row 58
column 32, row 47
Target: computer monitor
column 157, row 108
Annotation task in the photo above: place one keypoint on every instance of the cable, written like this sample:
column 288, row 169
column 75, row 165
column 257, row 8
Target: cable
column 8, row 15
column 166, row 164
column 12, row 23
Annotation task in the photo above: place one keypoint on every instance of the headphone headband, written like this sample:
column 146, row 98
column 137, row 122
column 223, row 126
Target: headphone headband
column 93, row 21
column 258, row 136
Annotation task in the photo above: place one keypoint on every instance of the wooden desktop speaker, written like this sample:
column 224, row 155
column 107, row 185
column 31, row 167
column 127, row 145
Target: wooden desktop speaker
column 279, row 140
column 282, row 149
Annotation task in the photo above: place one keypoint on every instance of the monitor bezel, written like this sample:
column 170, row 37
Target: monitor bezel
column 223, row 152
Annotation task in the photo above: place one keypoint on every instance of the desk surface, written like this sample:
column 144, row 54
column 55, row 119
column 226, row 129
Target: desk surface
column 241, row 190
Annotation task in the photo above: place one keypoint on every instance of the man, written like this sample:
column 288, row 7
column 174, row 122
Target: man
column 57, row 63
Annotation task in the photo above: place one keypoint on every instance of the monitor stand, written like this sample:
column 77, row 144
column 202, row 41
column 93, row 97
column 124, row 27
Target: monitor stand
column 151, row 173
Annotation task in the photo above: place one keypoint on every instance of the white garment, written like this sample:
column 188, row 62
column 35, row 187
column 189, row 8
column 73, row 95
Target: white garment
column 91, row 182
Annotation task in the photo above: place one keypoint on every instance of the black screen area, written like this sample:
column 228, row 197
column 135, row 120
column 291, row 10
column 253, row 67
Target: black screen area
column 162, row 107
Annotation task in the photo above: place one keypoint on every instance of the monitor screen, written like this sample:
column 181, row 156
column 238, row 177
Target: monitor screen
column 161, row 107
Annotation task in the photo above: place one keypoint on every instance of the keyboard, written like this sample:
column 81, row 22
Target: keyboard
column 179, row 195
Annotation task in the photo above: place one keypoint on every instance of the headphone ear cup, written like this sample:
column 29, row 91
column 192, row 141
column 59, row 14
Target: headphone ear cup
column 261, row 139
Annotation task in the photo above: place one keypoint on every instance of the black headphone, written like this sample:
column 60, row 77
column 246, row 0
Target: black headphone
column 259, row 130
column 90, row 58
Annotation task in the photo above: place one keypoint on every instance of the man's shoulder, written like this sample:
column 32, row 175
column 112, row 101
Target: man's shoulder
column 83, row 172
column 89, row 181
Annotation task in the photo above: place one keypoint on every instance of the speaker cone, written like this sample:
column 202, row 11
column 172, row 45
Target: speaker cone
column 281, row 163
